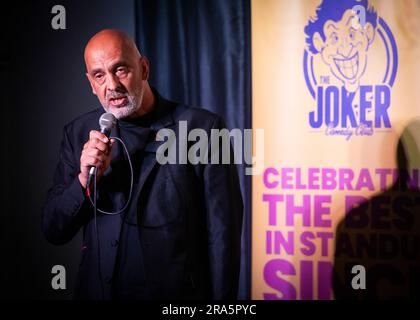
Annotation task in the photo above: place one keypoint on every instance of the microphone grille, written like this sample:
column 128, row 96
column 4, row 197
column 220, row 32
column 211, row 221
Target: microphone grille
column 107, row 121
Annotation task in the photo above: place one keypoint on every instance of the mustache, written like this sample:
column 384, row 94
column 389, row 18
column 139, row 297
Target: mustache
column 116, row 95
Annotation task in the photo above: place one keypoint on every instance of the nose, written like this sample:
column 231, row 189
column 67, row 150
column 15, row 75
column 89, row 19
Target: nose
column 345, row 49
column 113, row 82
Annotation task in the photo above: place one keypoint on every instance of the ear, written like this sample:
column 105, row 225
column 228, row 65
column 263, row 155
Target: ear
column 369, row 31
column 144, row 63
column 318, row 42
column 91, row 83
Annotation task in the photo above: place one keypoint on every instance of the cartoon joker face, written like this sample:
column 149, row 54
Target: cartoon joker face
column 343, row 47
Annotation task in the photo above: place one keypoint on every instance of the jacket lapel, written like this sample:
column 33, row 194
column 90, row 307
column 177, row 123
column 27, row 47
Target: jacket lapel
column 150, row 161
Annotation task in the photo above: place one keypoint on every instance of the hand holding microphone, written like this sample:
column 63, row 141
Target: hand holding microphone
column 96, row 153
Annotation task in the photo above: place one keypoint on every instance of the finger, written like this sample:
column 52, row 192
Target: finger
column 98, row 144
column 98, row 135
column 91, row 161
column 93, row 152
column 84, row 171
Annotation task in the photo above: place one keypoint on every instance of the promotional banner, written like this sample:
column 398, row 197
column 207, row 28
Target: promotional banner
column 336, row 89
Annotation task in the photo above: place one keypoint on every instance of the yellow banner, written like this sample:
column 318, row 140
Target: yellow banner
column 336, row 88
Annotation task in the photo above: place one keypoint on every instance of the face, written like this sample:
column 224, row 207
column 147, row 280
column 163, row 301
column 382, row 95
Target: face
column 117, row 77
column 345, row 48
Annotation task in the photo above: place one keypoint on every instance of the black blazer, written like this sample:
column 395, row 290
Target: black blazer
column 189, row 216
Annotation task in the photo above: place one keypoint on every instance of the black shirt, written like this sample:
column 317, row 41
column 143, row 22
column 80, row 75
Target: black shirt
column 129, row 280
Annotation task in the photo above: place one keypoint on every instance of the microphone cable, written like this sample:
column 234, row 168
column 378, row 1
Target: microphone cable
column 96, row 209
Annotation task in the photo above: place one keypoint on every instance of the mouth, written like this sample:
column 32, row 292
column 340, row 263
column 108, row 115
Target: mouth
column 118, row 101
column 348, row 67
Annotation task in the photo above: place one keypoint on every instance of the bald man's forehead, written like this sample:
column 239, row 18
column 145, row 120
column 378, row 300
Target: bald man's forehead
column 112, row 39
column 107, row 53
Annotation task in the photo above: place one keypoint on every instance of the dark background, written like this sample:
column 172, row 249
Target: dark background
column 200, row 55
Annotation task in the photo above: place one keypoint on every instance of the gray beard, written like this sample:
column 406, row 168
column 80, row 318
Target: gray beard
column 132, row 106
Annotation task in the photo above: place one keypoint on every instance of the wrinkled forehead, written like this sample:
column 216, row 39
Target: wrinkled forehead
column 106, row 50
column 347, row 21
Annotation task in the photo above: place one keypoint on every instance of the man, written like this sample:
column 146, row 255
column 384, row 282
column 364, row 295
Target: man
column 180, row 236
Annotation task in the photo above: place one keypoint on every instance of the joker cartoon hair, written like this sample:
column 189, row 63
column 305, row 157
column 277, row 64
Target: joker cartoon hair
column 334, row 10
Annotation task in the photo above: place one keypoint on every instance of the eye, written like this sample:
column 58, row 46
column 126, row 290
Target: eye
column 352, row 34
column 99, row 77
column 121, row 71
column 334, row 38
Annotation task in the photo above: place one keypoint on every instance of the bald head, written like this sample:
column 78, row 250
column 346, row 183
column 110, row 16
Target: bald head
column 118, row 74
column 111, row 40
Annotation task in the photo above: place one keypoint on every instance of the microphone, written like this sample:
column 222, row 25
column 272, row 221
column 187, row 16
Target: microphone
column 107, row 122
